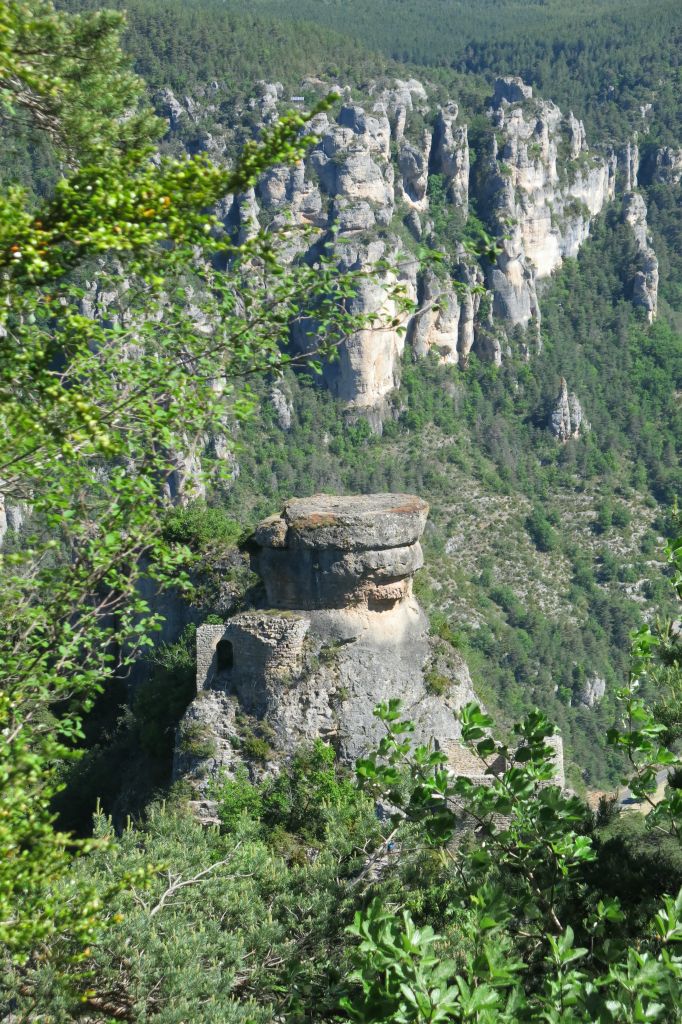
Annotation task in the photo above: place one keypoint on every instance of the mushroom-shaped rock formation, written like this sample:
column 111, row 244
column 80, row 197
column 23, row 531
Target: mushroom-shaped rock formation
column 339, row 632
column 329, row 552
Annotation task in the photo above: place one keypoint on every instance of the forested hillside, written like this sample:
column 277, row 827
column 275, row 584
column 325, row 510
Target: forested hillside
column 446, row 301
column 601, row 58
column 572, row 536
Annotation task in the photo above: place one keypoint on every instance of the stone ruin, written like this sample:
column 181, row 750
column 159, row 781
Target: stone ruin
column 339, row 631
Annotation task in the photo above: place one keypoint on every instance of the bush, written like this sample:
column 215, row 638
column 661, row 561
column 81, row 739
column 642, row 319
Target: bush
column 302, row 795
column 238, row 798
column 437, row 683
column 541, row 531
column 199, row 524
column 256, row 748
column 621, row 517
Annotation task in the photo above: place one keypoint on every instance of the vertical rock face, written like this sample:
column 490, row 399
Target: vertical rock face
column 445, row 321
column 364, row 193
column 645, row 283
column 542, row 188
column 628, row 166
column 566, row 417
column 450, row 156
column 663, row 167
column 341, row 630
column 413, row 163
column 283, row 407
column 368, row 364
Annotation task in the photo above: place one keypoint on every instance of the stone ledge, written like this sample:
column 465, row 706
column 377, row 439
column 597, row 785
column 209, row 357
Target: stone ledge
column 355, row 523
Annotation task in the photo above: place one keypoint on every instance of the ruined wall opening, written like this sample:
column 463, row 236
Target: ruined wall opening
column 224, row 655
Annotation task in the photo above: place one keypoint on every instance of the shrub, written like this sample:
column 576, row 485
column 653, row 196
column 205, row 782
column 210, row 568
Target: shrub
column 541, row 531
column 437, row 683
column 199, row 524
column 238, row 798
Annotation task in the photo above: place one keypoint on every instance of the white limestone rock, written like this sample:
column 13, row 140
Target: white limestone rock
column 413, row 163
column 645, row 283
column 628, row 166
column 342, row 632
column 592, row 691
column 283, row 407
column 566, row 417
column 543, row 209
column 450, row 156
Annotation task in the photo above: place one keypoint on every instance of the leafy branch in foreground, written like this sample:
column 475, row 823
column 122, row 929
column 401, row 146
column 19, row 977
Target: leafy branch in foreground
column 541, row 944
column 106, row 392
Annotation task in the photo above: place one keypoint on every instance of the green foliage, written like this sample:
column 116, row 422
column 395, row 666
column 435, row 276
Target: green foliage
column 223, row 931
column 198, row 525
column 402, row 976
column 601, row 58
column 238, row 797
column 541, row 531
column 533, row 868
column 161, row 700
column 437, row 683
column 301, row 798
column 95, row 411
column 196, row 740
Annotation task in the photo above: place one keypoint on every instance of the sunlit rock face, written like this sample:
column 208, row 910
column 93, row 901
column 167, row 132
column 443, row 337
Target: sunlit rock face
column 543, row 189
column 339, row 631
column 566, row 419
column 391, row 170
column 645, row 282
column 325, row 552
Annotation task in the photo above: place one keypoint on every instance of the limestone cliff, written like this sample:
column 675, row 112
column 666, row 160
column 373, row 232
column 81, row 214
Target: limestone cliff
column 339, row 630
column 645, row 282
column 542, row 188
column 366, row 193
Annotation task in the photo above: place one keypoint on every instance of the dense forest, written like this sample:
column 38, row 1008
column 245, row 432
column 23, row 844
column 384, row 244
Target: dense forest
column 297, row 886
column 601, row 58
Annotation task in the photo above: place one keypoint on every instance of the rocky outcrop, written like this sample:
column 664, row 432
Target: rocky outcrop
column 450, row 156
column 645, row 282
column 592, row 691
column 335, row 552
column 363, row 194
column 628, row 166
column 511, row 90
column 662, row 166
column 339, row 631
column 566, row 418
column 413, row 163
column 283, row 408
column 445, row 322
column 542, row 189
